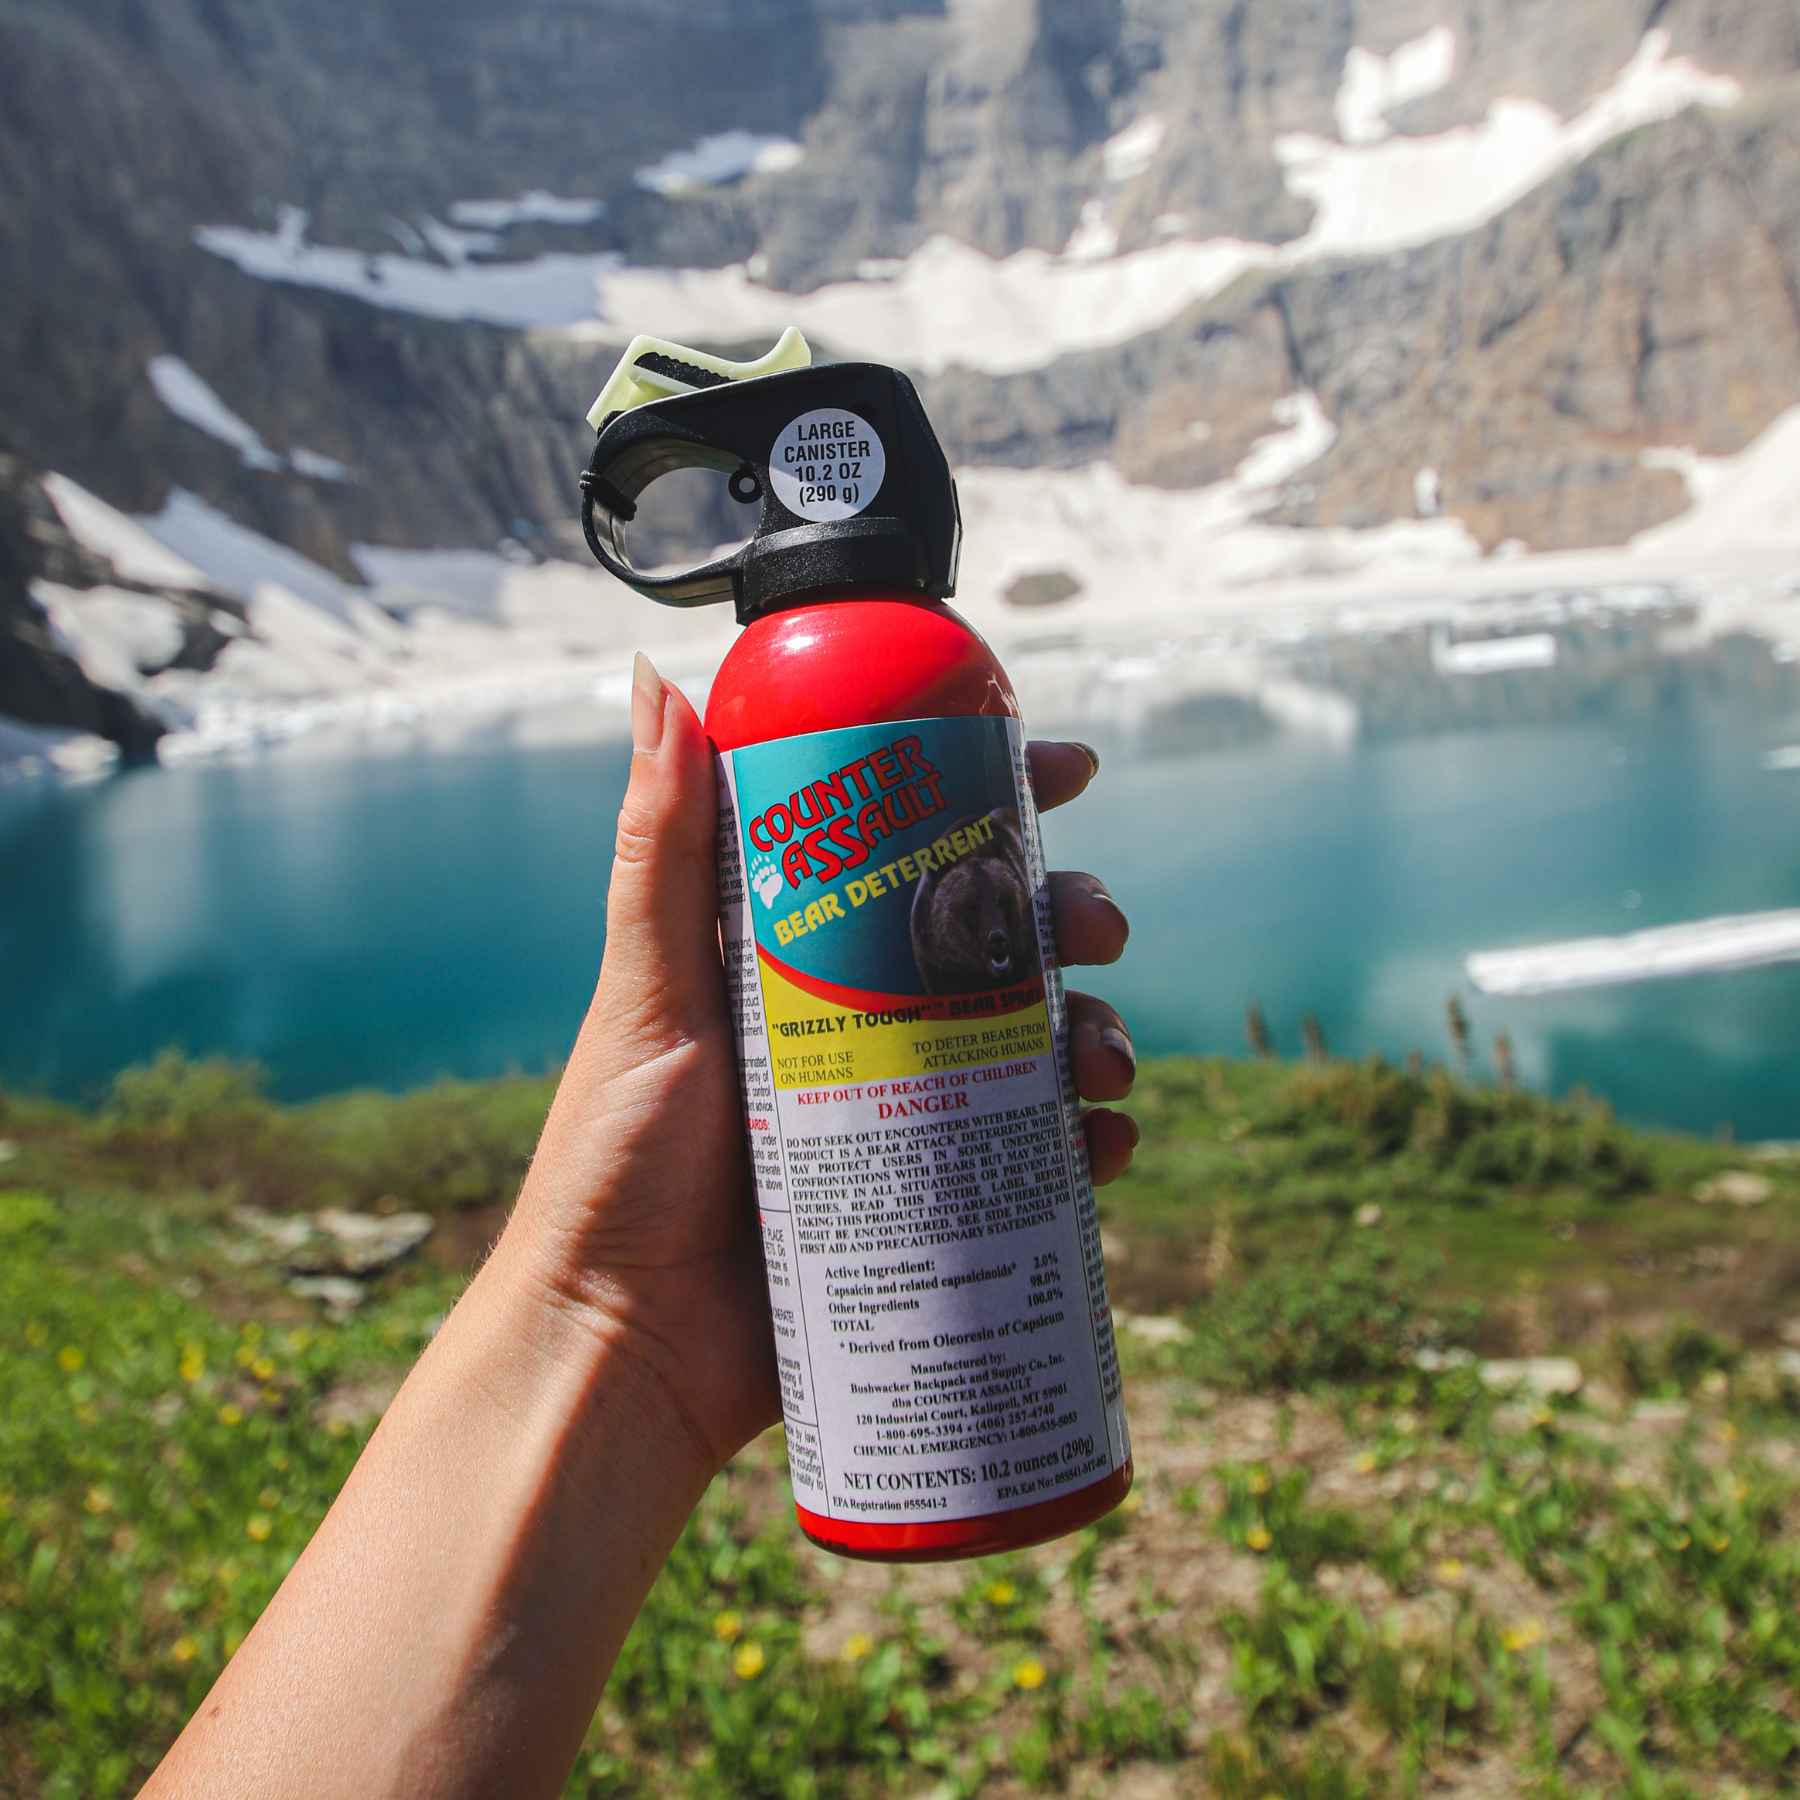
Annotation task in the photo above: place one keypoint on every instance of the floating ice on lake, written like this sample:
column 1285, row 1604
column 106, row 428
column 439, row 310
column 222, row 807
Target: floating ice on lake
column 1732, row 941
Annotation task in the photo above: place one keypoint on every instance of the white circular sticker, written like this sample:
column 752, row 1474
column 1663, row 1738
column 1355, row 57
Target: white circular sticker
column 827, row 464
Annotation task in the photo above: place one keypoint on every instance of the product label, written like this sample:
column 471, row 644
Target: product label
column 827, row 464
column 941, row 1319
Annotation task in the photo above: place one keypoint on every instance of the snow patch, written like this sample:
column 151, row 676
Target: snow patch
column 1393, row 194
column 946, row 306
column 534, row 207
column 1733, row 941
column 720, row 157
column 1374, row 86
column 1131, row 151
column 1305, row 435
column 1092, row 237
column 1493, row 656
column 190, row 399
column 234, row 557
column 1750, row 498
column 1175, row 553
column 319, row 467
column 116, row 636
column 550, row 290
column 134, row 553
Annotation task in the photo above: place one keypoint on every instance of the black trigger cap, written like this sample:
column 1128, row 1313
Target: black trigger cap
column 873, row 511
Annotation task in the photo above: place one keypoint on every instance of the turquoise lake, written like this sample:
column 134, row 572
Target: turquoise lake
column 390, row 918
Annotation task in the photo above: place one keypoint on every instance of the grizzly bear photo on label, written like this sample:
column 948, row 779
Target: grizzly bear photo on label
column 972, row 923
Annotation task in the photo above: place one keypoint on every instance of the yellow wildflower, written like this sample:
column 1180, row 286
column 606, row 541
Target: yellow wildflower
column 99, row 1500
column 1365, row 1463
column 270, row 1396
column 258, row 1526
column 268, row 1499
column 231, row 1415
column 88, row 1413
column 251, row 1332
column 1001, row 1593
column 297, row 1341
column 184, row 1649
column 1542, row 1416
column 1133, row 1502
column 857, row 1645
column 37, row 1333
column 263, row 1368
column 1257, row 1537
column 243, row 1356
column 1682, row 1540
column 1450, row 1571
column 1258, row 1482
column 227, row 1572
column 727, row 1626
column 1523, row 1635
column 69, row 1359
column 1721, row 1543
column 193, row 1363
column 747, row 1661
column 1029, row 1674
column 278, row 1460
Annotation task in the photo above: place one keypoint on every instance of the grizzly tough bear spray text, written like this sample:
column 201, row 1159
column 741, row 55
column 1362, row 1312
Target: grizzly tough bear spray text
column 935, row 1279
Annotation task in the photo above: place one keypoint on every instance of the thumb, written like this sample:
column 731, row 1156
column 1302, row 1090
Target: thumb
column 661, row 982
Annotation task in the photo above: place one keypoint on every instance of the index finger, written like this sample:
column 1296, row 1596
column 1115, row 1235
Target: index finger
column 1060, row 769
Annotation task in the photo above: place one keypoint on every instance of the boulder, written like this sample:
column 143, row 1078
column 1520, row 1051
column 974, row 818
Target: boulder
column 1736, row 1187
column 1152, row 1328
column 334, row 1242
column 367, row 1243
column 1541, row 1376
column 341, row 1295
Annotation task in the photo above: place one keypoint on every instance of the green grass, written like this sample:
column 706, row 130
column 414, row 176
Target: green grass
column 1341, row 1574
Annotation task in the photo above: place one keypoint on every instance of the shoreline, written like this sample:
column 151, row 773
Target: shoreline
column 451, row 676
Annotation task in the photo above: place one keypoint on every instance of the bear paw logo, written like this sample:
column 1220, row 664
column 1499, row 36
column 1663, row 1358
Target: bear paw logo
column 765, row 878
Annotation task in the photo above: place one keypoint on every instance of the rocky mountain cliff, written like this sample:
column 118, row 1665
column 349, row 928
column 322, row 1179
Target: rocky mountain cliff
column 343, row 277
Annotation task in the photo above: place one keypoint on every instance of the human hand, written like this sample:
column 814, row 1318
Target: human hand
column 639, row 1210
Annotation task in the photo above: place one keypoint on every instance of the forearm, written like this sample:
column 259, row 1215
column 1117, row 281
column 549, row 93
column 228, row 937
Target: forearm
column 450, row 1626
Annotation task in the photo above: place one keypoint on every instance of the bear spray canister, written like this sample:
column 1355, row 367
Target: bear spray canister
column 945, row 1345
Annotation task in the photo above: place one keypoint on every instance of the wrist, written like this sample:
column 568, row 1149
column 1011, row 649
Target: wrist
column 598, row 1367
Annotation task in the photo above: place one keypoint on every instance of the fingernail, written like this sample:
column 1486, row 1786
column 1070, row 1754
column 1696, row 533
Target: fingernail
column 1120, row 1045
column 1091, row 754
column 647, row 697
column 1099, row 893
